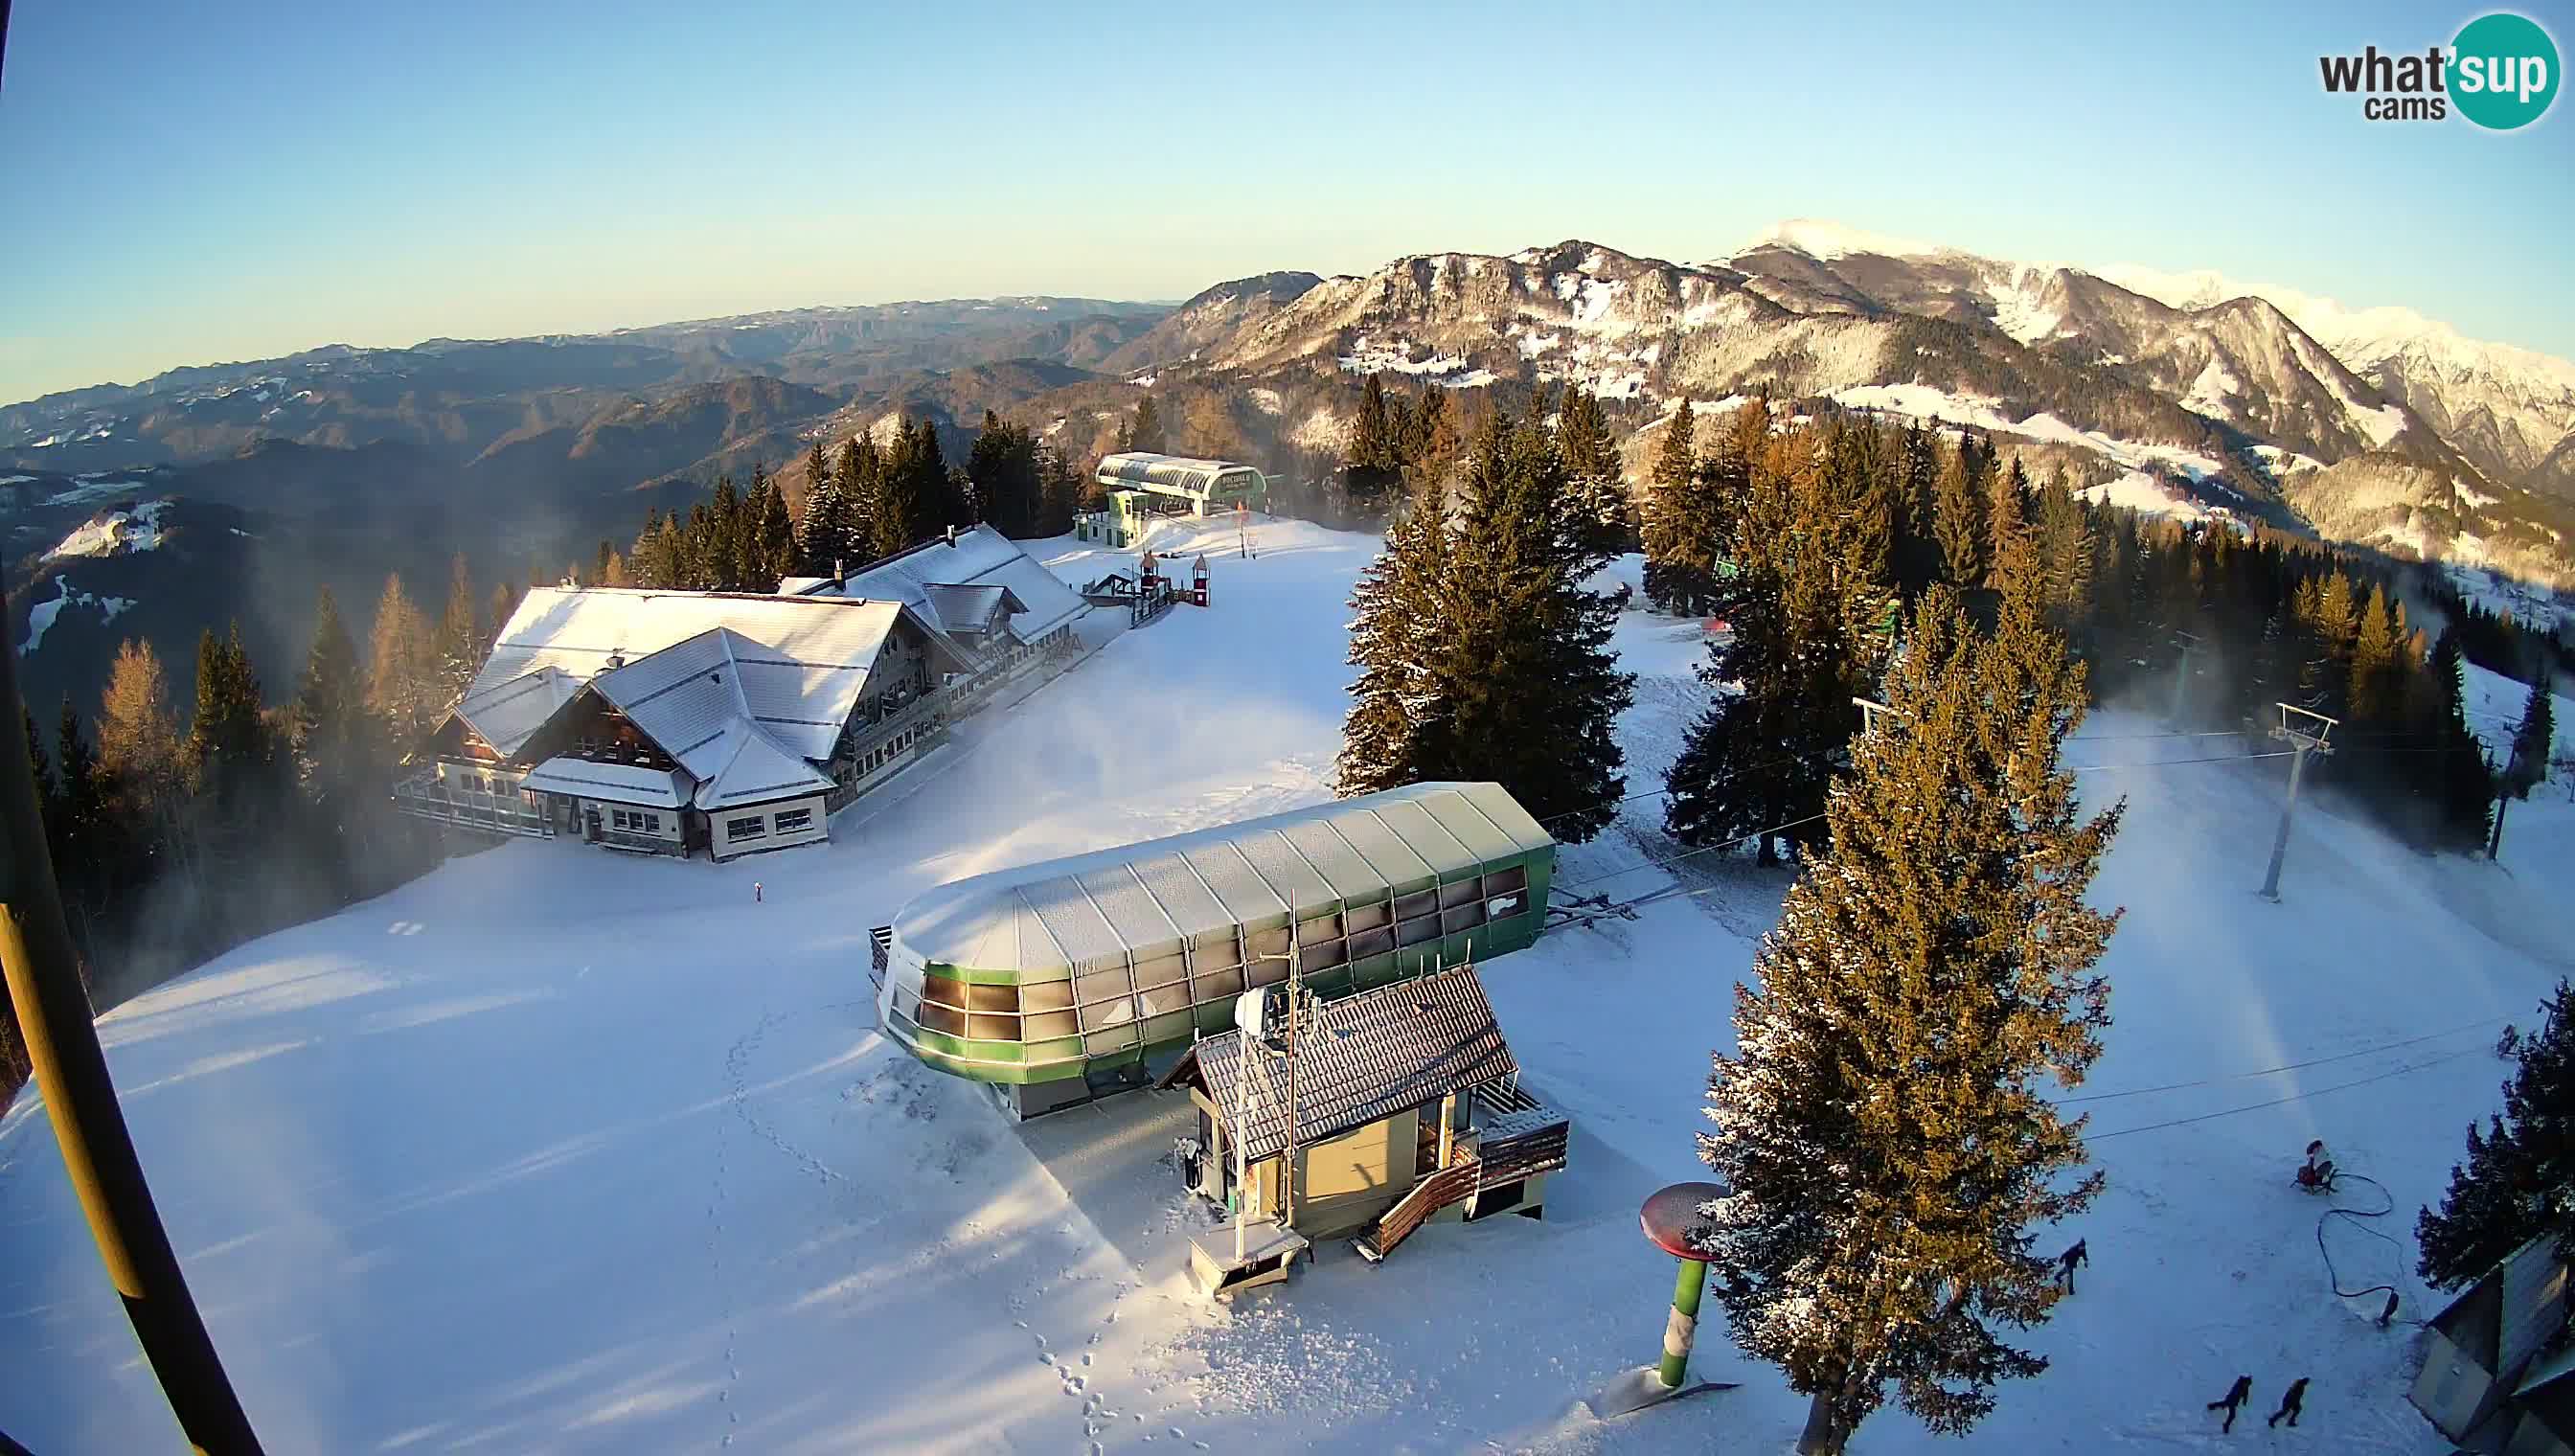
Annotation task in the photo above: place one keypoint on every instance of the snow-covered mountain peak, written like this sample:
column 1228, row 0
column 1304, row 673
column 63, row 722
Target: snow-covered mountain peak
column 1825, row 240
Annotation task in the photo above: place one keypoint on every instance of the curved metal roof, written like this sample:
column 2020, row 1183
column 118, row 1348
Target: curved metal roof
column 1048, row 919
column 1169, row 471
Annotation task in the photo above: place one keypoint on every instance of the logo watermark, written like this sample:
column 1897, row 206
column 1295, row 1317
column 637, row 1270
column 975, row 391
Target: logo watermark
column 2499, row 72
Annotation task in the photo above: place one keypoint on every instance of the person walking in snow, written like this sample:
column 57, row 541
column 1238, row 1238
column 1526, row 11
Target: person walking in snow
column 2066, row 1261
column 2293, row 1402
column 2236, row 1394
column 755, row 891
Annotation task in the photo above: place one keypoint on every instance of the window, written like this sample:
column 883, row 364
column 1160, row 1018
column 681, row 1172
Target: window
column 649, row 823
column 617, row 819
column 795, row 820
column 749, row 826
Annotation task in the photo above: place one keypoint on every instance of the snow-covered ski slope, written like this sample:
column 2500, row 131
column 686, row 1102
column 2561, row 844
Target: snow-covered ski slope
column 557, row 1150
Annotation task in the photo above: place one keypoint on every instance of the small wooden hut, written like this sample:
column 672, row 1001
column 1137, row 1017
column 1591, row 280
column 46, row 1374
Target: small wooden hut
column 1408, row 1108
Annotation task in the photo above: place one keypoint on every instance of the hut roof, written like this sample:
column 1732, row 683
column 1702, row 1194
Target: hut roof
column 1366, row 1058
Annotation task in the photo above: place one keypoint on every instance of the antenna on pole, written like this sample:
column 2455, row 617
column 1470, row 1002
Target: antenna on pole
column 2306, row 733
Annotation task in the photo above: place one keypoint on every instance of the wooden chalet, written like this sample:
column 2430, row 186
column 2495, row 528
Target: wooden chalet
column 1409, row 1109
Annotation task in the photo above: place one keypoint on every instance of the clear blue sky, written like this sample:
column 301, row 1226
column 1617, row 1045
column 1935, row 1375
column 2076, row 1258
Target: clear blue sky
column 191, row 183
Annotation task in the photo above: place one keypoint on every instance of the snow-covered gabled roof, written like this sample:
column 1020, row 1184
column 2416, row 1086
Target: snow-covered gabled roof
column 804, row 660
column 618, row 782
column 969, row 609
column 721, row 704
column 980, row 556
column 508, row 712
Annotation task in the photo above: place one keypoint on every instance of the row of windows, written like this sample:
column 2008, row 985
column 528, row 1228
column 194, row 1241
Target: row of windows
column 478, row 784
column 635, row 819
column 795, row 820
column 749, row 826
column 1114, row 997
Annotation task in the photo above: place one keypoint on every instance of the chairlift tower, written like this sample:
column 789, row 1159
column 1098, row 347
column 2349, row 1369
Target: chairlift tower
column 2306, row 733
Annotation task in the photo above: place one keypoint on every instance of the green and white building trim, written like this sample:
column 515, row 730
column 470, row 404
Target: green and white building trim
column 1057, row 981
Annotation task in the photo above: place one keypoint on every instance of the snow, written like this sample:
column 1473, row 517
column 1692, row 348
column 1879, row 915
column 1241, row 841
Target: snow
column 2282, row 462
column 114, row 532
column 2020, row 305
column 96, row 488
column 1145, row 381
column 2470, row 495
column 1827, row 241
column 2494, row 703
column 2146, row 494
column 42, row 616
column 1266, row 400
column 1367, row 356
column 1923, row 402
column 560, row 1150
column 2208, row 392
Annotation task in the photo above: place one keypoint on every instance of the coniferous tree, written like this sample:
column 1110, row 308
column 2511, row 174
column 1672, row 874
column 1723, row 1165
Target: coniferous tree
column 138, row 740
column 2011, row 555
column 1885, row 1134
column 1807, row 606
column 2518, row 1183
column 228, row 746
column 85, row 843
column 1532, row 682
column 773, row 540
column 403, row 669
column 1675, row 519
column 2373, row 692
column 2534, row 739
column 1371, row 462
column 338, row 754
column 2465, row 792
column 1956, row 524
column 2065, row 552
column 1595, row 483
column 462, row 641
column 1145, row 431
column 39, row 762
column 1399, row 715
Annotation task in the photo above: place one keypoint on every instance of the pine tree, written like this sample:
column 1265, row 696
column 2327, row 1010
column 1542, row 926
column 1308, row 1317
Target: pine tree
column 773, row 540
column 39, row 762
column 725, row 568
column 1399, row 715
column 905, row 510
column 2065, row 552
column 462, row 642
column 1676, row 523
column 2518, row 1183
column 2012, row 556
column 2533, row 739
column 78, row 830
column 402, row 657
column 1885, row 1131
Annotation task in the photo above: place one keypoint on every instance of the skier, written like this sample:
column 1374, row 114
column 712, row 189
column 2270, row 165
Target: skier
column 2293, row 1402
column 2236, row 1395
column 2066, row 1261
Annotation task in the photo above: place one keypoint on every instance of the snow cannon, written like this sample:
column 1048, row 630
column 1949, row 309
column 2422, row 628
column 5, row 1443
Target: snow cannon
column 1064, row 982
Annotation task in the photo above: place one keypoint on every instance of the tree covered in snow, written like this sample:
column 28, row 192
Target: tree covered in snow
column 1483, row 651
column 2519, row 1180
column 1885, row 1128
column 1808, row 602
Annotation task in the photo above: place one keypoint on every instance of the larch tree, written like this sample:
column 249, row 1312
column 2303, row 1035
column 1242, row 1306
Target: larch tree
column 1887, row 1134
column 402, row 685
column 2518, row 1183
column 462, row 642
column 2374, row 690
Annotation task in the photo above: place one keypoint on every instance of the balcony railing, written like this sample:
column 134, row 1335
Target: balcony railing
column 507, row 812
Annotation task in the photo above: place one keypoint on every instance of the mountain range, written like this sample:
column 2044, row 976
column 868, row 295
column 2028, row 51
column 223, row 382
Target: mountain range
column 2186, row 393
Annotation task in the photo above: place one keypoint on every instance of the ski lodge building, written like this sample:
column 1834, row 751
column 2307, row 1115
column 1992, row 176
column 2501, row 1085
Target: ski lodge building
column 734, row 721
